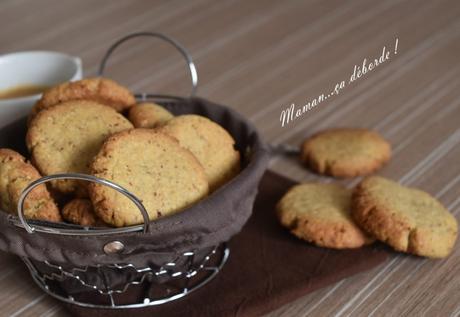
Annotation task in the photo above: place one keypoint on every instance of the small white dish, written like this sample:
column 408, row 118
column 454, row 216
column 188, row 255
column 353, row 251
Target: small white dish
column 33, row 68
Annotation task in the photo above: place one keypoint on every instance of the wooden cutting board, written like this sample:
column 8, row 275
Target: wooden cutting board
column 267, row 268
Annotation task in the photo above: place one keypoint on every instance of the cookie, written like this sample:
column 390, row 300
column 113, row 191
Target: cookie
column 15, row 175
column 101, row 90
column 65, row 138
column 81, row 212
column 152, row 166
column 320, row 214
column 345, row 152
column 149, row 115
column 407, row 219
column 212, row 145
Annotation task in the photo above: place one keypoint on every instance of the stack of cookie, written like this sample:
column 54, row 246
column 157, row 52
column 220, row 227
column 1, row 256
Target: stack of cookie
column 332, row 216
column 94, row 126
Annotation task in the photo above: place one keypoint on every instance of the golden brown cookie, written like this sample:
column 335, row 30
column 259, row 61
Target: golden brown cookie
column 81, row 212
column 100, row 90
column 407, row 219
column 149, row 115
column 152, row 166
column 320, row 213
column 15, row 175
column 212, row 145
column 66, row 137
column 345, row 152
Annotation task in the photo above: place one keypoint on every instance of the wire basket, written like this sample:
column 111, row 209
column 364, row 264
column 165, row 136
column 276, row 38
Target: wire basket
column 106, row 286
column 145, row 286
column 107, row 280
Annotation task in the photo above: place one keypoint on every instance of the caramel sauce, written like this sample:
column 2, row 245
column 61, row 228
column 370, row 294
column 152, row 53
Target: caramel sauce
column 22, row 91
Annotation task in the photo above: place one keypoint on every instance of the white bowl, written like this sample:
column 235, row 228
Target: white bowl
column 40, row 68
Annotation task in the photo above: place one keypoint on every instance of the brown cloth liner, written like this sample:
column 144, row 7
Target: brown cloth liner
column 212, row 221
column 267, row 268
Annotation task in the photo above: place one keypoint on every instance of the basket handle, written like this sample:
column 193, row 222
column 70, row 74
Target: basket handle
column 82, row 177
column 173, row 42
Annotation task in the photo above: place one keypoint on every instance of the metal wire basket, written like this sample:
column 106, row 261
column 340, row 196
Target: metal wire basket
column 90, row 286
column 120, row 285
column 63, row 283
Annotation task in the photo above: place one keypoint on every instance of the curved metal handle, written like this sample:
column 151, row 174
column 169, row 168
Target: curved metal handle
column 177, row 45
column 82, row 177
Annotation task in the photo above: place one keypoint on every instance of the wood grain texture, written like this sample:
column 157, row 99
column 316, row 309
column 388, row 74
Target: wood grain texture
column 259, row 57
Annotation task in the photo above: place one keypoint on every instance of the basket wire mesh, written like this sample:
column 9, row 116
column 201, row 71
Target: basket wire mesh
column 178, row 283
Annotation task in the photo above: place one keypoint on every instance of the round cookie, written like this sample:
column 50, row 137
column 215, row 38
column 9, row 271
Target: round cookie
column 345, row 152
column 407, row 219
column 212, row 145
column 320, row 214
column 149, row 115
column 66, row 137
column 81, row 212
column 15, row 175
column 101, row 90
column 152, row 166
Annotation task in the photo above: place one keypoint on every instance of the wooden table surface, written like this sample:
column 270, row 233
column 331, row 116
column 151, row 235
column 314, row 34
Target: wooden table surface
column 261, row 56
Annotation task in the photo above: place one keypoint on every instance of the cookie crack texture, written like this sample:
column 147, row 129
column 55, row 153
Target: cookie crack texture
column 411, row 237
column 407, row 219
column 320, row 213
column 211, row 144
column 15, row 175
column 152, row 166
column 101, row 90
column 66, row 137
column 149, row 115
column 345, row 152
